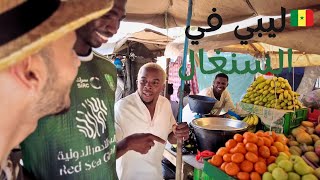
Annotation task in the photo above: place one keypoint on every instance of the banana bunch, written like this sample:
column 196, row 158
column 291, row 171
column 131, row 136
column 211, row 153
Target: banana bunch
column 272, row 93
column 251, row 119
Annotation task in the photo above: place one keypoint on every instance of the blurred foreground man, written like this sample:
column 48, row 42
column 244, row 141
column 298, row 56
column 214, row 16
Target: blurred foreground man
column 81, row 143
column 37, row 64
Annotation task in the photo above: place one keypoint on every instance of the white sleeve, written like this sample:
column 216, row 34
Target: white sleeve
column 230, row 106
column 205, row 92
column 117, row 121
column 229, row 103
column 187, row 114
column 172, row 122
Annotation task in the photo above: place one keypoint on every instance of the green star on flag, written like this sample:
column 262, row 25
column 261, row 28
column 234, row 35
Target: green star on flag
column 301, row 17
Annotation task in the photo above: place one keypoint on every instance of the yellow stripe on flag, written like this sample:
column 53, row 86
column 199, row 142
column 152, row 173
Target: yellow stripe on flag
column 302, row 18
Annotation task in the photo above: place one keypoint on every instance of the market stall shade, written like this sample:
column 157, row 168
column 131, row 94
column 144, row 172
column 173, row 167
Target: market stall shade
column 172, row 13
column 304, row 54
column 151, row 39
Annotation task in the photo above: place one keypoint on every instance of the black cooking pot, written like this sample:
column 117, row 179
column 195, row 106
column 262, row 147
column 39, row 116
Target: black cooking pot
column 201, row 104
column 212, row 133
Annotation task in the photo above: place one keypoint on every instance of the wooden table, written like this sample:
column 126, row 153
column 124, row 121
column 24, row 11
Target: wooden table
column 188, row 164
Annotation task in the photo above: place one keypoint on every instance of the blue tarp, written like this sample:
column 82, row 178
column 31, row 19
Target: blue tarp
column 238, row 83
column 298, row 75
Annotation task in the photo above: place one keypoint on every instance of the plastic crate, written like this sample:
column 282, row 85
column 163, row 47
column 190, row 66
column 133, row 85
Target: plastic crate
column 313, row 115
column 276, row 128
column 200, row 175
column 288, row 122
column 213, row 173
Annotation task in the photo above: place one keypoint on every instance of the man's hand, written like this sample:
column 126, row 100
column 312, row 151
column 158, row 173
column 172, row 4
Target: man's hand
column 181, row 131
column 142, row 142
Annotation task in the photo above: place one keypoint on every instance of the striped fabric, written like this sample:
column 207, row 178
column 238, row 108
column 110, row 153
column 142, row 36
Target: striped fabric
column 176, row 81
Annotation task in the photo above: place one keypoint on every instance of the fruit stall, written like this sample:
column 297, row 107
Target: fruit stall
column 277, row 138
column 278, row 142
column 275, row 103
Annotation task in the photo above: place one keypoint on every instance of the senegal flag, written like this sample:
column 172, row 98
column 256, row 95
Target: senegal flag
column 301, row 17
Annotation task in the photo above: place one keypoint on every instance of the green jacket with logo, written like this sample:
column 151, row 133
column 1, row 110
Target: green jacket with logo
column 80, row 144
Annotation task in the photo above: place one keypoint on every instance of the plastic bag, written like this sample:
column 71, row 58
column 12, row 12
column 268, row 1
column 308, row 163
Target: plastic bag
column 312, row 99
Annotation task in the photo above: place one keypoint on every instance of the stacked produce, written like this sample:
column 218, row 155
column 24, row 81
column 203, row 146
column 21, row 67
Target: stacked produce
column 252, row 120
column 289, row 168
column 247, row 156
column 305, row 141
column 272, row 93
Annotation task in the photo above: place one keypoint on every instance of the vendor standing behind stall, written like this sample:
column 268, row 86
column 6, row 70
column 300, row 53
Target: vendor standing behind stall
column 219, row 91
column 145, row 111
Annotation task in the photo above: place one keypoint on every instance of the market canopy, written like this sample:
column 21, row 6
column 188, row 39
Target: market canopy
column 151, row 39
column 173, row 13
column 304, row 40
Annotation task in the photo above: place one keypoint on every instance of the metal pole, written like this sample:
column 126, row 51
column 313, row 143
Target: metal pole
column 179, row 170
column 167, row 72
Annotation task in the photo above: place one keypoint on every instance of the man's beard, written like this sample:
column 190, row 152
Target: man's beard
column 63, row 111
column 53, row 103
column 53, row 96
column 53, row 100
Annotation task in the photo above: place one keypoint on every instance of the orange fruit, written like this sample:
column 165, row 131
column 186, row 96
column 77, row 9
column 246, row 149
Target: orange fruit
column 238, row 137
column 271, row 139
column 255, row 176
column 282, row 138
column 274, row 151
column 260, row 167
column 246, row 166
column 216, row 160
column 237, row 157
column 243, row 176
column 286, row 148
column 252, row 157
column 251, row 147
column 232, row 169
column 246, row 134
column 260, row 133
column 271, row 159
column 223, row 165
column 264, row 152
column 262, row 159
column 227, row 157
column 267, row 141
column 239, row 149
column 231, row 143
column 250, row 137
column 221, row 151
column 288, row 153
column 260, row 141
column 279, row 146
column 268, row 133
column 274, row 135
